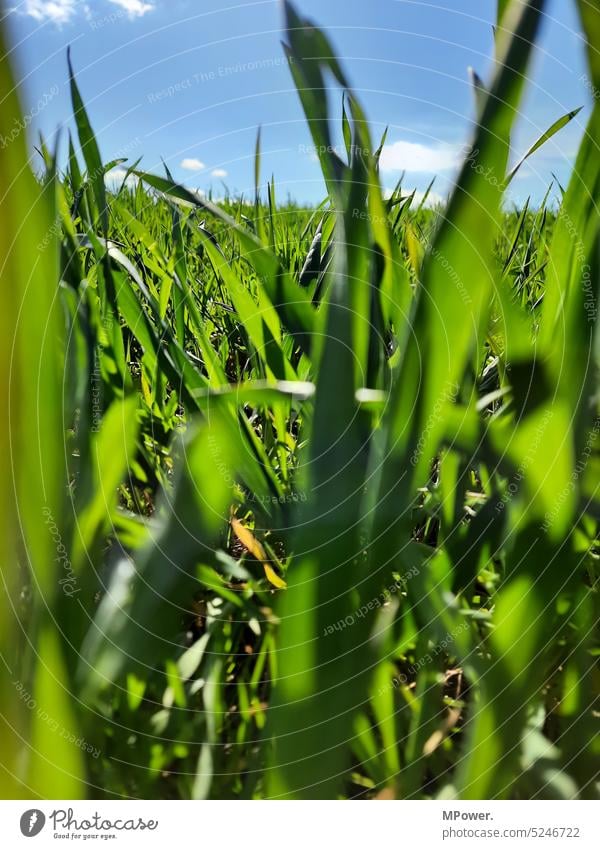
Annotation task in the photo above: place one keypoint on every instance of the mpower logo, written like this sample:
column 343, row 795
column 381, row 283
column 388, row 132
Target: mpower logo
column 32, row 822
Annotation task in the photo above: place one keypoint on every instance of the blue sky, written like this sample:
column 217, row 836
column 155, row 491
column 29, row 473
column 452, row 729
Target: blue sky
column 189, row 81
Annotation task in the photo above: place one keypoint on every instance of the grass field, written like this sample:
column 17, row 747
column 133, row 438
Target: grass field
column 301, row 503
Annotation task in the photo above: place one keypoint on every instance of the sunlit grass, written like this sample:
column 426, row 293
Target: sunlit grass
column 301, row 503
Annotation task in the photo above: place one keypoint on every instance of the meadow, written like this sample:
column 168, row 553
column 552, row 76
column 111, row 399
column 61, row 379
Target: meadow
column 301, row 502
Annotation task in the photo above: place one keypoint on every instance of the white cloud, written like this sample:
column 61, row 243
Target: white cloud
column 192, row 164
column 59, row 11
column 114, row 179
column 419, row 158
column 116, row 173
column 413, row 157
column 219, row 172
column 134, row 8
column 433, row 198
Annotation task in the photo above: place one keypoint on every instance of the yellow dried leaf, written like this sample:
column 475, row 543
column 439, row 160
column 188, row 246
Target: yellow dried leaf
column 248, row 540
column 273, row 577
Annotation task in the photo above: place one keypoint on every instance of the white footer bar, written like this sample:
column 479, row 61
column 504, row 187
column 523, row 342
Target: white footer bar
column 306, row 825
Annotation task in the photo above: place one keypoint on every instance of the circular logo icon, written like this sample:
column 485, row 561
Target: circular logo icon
column 32, row 822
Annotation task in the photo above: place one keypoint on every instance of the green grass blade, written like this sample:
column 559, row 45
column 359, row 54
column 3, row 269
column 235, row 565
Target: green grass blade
column 551, row 131
column 89, row 149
